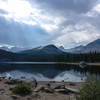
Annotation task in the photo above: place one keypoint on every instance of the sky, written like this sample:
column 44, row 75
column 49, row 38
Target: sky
column 31, row 23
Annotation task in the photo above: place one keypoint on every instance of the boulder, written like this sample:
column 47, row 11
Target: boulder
column 3, row 77
column 31, row 81
column 12, row 81
column 83, row 64
column 14, row 97
column 2, row 91
column 72, row 84
column 47, row 88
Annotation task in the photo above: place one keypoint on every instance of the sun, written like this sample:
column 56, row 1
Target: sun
column 17, row 8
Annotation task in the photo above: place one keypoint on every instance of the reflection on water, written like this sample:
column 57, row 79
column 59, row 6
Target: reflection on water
column 48, row 72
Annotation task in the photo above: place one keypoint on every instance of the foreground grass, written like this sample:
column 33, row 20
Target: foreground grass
column 91, row 90
column 22, row 89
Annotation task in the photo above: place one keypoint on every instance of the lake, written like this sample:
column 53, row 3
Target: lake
column 48, row 71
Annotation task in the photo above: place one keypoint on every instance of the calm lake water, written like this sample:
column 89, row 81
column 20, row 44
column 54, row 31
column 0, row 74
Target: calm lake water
column 48, row 71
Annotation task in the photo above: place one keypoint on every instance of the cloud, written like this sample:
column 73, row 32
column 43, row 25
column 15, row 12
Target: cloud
column 20, row 34
column 22, row 11
column 77, row 27
column 3, row 12
column 77, row 6
column 79, row 34
column 40, row 22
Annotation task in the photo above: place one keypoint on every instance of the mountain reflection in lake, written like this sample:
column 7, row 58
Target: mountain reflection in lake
column 48, row 72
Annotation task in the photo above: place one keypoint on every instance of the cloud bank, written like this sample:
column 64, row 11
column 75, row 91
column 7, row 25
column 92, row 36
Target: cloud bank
column 39, row 22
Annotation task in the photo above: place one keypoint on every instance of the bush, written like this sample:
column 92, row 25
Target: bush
column 22, row 89
column 91, row 90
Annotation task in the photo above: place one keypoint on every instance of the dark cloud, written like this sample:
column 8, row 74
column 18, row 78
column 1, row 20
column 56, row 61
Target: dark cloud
column 71, row 10
column 78, row 6
column 15, row 33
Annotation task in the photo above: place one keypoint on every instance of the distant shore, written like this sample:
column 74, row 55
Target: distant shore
column 89, row 64
column 70, row 63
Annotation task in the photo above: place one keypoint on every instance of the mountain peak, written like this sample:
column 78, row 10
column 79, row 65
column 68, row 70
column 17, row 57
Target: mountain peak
column 95, row 43
column 49, row 49
column 50, row 46
column 61, row 47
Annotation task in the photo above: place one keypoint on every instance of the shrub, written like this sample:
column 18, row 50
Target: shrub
column 22, row 89
column 91, row 90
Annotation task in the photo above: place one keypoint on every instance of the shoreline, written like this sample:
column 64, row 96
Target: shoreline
column 6, row 94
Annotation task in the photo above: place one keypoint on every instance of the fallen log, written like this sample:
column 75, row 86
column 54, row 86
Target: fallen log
column 72, row 90
column 62, row 91
column 39, row 88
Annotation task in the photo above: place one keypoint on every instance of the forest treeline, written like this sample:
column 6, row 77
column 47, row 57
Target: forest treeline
column 88, row 57
column 66, row 57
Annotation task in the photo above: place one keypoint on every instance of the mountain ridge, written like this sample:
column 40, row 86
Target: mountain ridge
column 93, row 46
column 49, row 49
